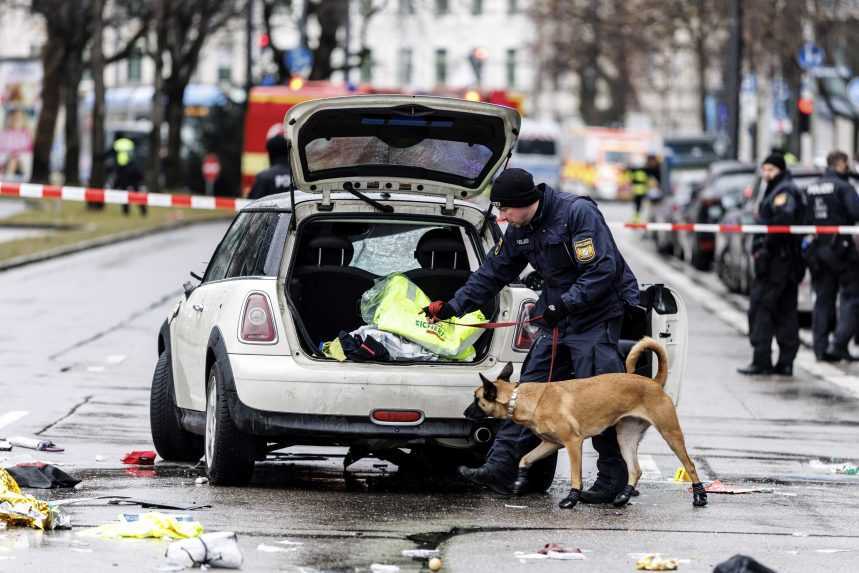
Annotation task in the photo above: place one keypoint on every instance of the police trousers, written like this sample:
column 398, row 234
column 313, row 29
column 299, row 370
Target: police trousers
column 773, row 312
column 827, row 283
column 578, row 355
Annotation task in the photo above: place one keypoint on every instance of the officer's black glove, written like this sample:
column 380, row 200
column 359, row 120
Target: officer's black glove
column 439, row 310
column 554, row 314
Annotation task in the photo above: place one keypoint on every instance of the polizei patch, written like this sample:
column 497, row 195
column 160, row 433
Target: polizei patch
column 585, row 250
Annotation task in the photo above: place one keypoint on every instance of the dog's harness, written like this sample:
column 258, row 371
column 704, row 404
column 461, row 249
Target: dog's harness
column 511, row 405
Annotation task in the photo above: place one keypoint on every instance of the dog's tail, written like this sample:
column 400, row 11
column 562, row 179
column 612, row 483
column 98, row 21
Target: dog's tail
column 648, row 343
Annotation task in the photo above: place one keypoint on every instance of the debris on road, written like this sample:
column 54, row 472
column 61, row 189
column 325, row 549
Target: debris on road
column 681, row 475
column 265, row 548
column 17, row 509
column 655, row 562
column 201, row 481
column 420, row 553
column 139, row 457
column 150, row 525
column 552, row 551
column 842, row 469
column 5, row 445
column 847, row 469
column 507, row 505
column 123, row 500
column 39, row 475
column 741, row 564
column 35, row 444
column 434, row 564
column 219, row 549
column 718, row 487
column 382, row 568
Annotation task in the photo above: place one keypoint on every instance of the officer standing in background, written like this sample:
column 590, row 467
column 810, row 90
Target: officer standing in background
column 587, row 285
column 834, row 259
column 126, row 175
column 643, row 179
column 778, row 270
column 278, row 177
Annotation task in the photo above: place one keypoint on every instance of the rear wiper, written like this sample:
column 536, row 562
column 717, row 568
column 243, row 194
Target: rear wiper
column 383, row 208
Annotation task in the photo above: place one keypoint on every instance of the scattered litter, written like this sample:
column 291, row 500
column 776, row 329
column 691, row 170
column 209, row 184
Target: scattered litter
column 718, row 487
column 17, row 509
column 220, row 549
column 741, row 564
column 842, row 469
column 275, row 549
column 681, row 475
column 40, row 475
column 122, row 500
column 201, row 481
column 381, row 568
column 847, row 469
column 35, row 444
column 139, row 457
column 515, row 506
column 420, row 553
column 831, row 550
column 76, row 500
column 552, row 551
column 434, row 564
column 655, row 562
column 5, row 445
column 150, row 525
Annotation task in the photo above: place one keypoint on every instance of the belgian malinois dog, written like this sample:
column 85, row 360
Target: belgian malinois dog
column 565, row 413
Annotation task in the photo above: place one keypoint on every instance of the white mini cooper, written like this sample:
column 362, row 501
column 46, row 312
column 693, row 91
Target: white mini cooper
column 382, row 185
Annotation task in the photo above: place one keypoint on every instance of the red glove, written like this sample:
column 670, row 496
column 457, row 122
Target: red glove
column 439, row 310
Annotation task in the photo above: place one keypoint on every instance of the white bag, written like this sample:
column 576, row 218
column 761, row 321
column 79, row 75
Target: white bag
column 219, row 549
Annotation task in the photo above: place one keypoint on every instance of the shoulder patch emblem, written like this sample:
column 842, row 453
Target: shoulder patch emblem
column 498, row 246
column 585, row 250
column 780, row 199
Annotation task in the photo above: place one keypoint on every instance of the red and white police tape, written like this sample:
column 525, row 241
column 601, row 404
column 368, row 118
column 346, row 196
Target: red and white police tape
column 113, row 196
column 745, row 229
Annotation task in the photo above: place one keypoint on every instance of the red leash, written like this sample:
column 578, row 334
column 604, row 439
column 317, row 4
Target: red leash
column 494, row 325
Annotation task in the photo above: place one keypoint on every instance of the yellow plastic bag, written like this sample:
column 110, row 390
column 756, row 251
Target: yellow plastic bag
column 18, row 509
column 333, row 349
column 395, row 304
column 150, row 525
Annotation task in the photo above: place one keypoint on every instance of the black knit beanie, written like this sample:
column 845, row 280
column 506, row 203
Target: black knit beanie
column 776, row 160
column 514, row 188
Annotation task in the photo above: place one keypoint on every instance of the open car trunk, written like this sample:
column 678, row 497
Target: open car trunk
column 338, row 259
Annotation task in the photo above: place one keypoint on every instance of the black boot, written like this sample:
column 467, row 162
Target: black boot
column 520, row 486
column 699, row 495
column 755, row 370
column 622, row 498
column 602, row 491
column 571, row 500
column 487, row 477
column 783, row 370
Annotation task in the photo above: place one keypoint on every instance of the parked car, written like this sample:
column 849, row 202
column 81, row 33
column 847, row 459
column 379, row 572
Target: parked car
column 380, row 182
column 726, row 181
column 733, row 259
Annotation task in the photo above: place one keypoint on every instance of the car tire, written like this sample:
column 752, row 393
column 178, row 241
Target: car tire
column 229, row 452
column 172, row 441
column 700, row 261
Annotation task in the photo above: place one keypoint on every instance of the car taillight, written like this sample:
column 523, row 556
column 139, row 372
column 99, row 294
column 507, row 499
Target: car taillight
column 526, row 333
column 396, row 416
column 257, row 320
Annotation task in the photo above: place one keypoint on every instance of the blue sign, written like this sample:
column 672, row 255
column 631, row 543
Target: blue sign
column 810, row 56
column 853, row 91
column 299, row 60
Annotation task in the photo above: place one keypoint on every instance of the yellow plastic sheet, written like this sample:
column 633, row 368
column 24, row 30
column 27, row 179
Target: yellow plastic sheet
column 654, row 562
column 150, row 525
column 18, row 509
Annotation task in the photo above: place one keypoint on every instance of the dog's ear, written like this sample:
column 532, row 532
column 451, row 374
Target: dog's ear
column 507, row 372
column 490, row 392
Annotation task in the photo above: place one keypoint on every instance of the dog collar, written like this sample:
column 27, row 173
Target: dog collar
column 511, row 405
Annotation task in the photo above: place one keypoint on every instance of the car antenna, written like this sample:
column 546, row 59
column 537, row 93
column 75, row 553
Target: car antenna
column 383, row 208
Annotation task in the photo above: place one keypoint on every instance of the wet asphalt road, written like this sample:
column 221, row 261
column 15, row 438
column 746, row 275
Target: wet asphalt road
column 77, row 351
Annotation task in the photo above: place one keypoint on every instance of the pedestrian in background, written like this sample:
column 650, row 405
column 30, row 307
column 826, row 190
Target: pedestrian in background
column 778, row 269
column 643, row 180
column 834, row 260
column 126, row 175
column 278, row 177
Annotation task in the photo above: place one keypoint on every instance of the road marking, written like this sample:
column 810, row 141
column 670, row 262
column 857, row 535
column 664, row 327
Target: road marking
column 726, row 312
column 649, row 469
column 11, row 417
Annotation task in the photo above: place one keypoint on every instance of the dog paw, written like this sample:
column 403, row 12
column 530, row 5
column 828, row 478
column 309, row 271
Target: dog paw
column 622, row 498
column 571, row 500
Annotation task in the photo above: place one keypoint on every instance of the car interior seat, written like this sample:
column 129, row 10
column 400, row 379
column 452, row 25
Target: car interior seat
column 444, row 263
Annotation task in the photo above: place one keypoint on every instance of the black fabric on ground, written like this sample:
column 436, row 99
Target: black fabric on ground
column 41, row 476
column 741, row 564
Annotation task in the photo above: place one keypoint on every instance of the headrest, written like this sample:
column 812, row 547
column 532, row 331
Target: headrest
column 442, row 249
column 328, row 250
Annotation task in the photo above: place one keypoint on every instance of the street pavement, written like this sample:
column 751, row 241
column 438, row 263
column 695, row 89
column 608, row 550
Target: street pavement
column 77, row 352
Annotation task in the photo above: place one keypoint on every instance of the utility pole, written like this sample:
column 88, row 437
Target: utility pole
column 249, row 46
column 735, row 76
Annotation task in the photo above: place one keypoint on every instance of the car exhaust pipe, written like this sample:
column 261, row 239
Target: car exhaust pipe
column 482, row 435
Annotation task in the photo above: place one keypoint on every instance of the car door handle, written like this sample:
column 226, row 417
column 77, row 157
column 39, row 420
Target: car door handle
column 198, row 307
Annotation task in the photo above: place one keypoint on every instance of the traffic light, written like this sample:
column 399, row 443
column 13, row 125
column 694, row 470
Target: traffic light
column 804, row 108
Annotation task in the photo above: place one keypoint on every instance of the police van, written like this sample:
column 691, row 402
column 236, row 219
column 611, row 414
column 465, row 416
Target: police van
column 538, row 151
column 382, row 188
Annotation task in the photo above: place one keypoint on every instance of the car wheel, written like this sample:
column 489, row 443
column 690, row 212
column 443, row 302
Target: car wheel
column 172, row 441
column 229, row 451
column 700, row 260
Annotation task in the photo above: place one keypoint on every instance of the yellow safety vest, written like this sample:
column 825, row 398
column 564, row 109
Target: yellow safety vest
column 395, row 305
column 640, row 180
column 124, row 148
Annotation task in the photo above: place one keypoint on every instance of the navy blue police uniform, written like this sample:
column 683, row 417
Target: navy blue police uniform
column 278, row 177
column 569, row 243
column 778, row 270
column 834, row 264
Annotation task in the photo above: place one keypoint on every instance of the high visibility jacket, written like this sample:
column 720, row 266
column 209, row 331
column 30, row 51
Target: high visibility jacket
column 640, row 182
column 395, row 305
column 124, row 150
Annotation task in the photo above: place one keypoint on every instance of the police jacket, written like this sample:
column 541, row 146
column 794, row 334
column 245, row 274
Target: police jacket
column 569, row 243
column 275, row 179
column 782, row 204
column 832, row 200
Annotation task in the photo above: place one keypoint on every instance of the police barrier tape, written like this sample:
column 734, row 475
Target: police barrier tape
column 114, row 196
column 745, row 229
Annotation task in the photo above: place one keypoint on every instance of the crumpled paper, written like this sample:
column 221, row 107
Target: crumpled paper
column 18, row 509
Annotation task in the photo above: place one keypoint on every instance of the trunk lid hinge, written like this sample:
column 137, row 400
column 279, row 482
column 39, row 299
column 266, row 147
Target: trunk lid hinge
column 325, row 204
column 449, row 208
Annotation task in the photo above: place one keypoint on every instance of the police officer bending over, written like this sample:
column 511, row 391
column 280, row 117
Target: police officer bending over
column 586, row 285
column 834, row 260
column 278, row 177
column 778, row 270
